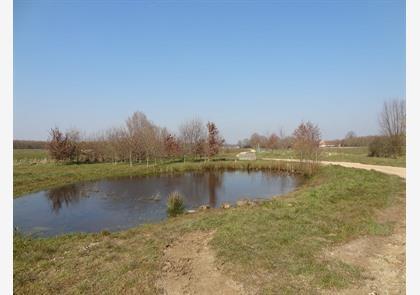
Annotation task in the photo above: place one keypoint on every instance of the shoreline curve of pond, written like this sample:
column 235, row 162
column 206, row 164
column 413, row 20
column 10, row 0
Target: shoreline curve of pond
column 121, row 203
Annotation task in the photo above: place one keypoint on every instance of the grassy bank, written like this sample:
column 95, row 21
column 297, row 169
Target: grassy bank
column 351, row 154
column 33, row 177
column 274, row 246
column 33, row 173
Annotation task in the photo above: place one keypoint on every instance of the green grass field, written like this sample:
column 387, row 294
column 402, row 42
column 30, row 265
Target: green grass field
column 351, row 154
column 28, row 155
column 274, row 246
column 33, row 155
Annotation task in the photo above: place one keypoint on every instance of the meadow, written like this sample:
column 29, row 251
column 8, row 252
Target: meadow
column 279, row 244
column 285, row 238
column 29, row 155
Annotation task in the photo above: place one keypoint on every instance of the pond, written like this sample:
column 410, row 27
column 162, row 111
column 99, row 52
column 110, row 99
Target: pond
column 116, row 204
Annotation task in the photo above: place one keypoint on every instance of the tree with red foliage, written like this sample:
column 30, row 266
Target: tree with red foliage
column 273, row 141
column 214, row 140
column 172, row 148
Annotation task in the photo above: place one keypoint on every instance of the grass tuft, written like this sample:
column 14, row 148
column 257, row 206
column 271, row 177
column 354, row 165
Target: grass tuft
column 175, row 204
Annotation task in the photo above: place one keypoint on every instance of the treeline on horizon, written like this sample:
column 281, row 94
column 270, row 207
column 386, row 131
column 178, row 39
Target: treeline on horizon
column 272, row 141
column 29, row 144
column 279, row 141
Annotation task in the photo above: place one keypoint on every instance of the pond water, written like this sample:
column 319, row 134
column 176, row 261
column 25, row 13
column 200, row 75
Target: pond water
column 116, row 204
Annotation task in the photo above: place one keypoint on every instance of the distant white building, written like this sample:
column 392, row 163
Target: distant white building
column 323, row 144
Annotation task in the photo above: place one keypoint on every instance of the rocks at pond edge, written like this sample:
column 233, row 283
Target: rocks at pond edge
column 242, row 203
column 204, row 207
column 225, row 206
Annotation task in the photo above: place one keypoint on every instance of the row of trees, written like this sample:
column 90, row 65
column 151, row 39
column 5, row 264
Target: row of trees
column 28, row 144
column 352, row 140
column 389, row 143
column 139, row 140
column 305, row 142
column 279, row 141
column 271, row 141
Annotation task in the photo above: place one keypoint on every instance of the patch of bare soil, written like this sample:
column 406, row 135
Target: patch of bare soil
column 382, row 259
column 190, row 268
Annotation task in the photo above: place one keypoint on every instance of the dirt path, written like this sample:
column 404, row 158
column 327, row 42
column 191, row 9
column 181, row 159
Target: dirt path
column 382, row 259
column 190, row 268
column 399, row 171
column 190, row 265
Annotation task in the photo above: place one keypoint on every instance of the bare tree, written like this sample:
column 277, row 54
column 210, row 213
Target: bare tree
column 74, row 138
column 114, row 139
column 141, row 137
column 351, row 134
column 244, row 143
column 134, row 125
column 151, row 144
column 256, row 140
column 307, row 137
column 392, row 119
column 392, row 122
column 60, row 146
column 193, row 137
column 273, row 141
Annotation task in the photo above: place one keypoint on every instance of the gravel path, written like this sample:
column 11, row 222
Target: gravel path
column 399, row 171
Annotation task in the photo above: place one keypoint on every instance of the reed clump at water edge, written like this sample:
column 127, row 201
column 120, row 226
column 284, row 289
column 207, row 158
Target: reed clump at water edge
column 175, row 204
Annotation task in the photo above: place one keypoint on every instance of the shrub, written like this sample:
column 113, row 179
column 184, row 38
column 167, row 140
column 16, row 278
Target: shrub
column 381, row 147
column 61, row 146
column 175, row 204
column 306, row 139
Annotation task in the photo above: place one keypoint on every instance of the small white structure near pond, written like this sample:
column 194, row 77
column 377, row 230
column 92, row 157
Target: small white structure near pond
column 247, row 156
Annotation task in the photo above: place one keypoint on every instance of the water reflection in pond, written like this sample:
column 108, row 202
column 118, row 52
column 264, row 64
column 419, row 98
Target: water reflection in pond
column 122, row 203
column 64, row 196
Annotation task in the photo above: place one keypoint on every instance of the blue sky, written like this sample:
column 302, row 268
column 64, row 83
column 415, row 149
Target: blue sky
column 250, row 66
